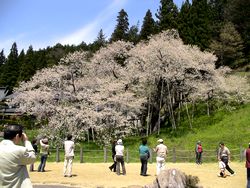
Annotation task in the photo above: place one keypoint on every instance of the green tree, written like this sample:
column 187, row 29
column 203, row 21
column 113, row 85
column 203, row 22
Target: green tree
column 122, row 27
column 2, row 58
column 27, row 69
column 200, row 24
column 238, row 13
column 133, row 34
column 167, row 15
column 185, row 22
column 10, row 70
column 229, row 47
column 148, row 26
column 99, row 42
column 217, row 8
column 2, row 62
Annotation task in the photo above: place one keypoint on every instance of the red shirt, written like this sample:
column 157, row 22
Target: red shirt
column 199, row 148
column 248, row 158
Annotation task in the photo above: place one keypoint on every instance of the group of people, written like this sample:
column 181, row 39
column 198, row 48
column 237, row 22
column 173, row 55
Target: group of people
column 14, row 157
column 144, row 153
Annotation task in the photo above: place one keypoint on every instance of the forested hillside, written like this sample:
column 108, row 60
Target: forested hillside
column 164, row 76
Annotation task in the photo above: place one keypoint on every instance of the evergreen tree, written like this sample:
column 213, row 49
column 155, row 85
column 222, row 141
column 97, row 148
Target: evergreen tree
column 10, row 70
column 238, row 12
column 2, row 58
column 40, row 59
column 2, row 62
column 122, row 27
column 200, row 24
column 185, row 22
column 99, row 42
column 229, row 47
column 133, row 34
column 218, row 17
column 167, row 15
column 27, row 69
column 148, row 26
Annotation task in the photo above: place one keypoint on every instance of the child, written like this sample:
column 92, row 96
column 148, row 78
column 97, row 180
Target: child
column 222, row 168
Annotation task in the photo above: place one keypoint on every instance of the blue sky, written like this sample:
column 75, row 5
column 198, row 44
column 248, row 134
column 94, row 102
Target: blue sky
column 43, row 23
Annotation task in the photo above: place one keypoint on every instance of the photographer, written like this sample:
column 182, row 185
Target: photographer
column 14, row 158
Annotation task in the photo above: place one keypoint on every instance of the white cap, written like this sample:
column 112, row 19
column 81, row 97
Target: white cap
column 119, row 141
column 160, row 140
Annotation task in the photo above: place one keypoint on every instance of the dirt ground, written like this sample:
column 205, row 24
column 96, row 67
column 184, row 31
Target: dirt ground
column 91, row 175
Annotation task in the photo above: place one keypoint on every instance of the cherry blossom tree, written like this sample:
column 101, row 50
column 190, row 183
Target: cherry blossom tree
column 178, row 73
column 111, row 94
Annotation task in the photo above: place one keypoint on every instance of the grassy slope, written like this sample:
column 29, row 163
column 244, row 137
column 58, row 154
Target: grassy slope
column 233, row 128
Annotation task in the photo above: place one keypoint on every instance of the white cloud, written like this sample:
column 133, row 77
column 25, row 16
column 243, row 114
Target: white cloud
column 89, row 32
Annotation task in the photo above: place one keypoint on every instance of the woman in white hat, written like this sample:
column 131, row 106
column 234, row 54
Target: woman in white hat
column 161, row 152
column 119, row 150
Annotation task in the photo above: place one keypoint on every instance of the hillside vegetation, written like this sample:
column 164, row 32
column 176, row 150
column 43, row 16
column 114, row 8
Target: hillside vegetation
column 233, row 128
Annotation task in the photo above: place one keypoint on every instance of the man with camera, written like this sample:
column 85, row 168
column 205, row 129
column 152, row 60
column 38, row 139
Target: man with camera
column 15, row 157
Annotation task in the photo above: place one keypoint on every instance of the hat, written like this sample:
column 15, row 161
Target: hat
column 119, row 141
column 160, row 140
column 45, row 140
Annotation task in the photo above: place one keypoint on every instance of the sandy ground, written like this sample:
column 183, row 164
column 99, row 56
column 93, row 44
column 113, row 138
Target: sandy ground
column 91, row 175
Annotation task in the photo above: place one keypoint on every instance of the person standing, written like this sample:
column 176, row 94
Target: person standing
column 161, row 153
column 14, row 158
column 119, row 150
column 144, row 156
column 198, row 152
column 248, row 165
column 44, row 152
column 69, row 147
column 224, row 155
column 113, row 166
column 34, row 145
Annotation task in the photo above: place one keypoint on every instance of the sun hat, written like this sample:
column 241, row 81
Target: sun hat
column 160, row 140
column 119, row 141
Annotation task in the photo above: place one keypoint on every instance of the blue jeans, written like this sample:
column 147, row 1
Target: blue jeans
column 43, row 162
column 248, row 177
column 144, row 163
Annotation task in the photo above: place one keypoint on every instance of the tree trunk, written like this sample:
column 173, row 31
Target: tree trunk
column 171, row 112
column 148, row 119
column 159, row 117
column 190, row 123
column 93, row 134
column 192, row 120
column 208, row 110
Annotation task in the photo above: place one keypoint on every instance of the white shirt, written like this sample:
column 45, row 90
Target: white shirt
column 69, row 146
column 13, row 161
column 161, row 150
column 119, row 149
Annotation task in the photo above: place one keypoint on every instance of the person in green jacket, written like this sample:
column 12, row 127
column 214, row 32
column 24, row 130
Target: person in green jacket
column 144, row 156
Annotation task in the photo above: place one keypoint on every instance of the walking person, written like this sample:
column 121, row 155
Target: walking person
column 247, row 153
column 144, row 156
column 198, row 152
column 224, row 155
column 161, row 153
column 34, row 145
column 44, row 152
column 69, row 147
column 119, row 150
column 14, row 158
column 113, row 166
